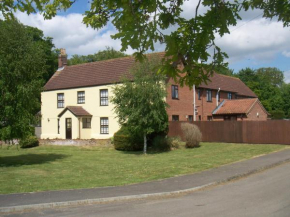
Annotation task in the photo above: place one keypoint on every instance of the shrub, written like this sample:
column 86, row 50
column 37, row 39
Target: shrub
column 29, row 142
column 124, row 140
column 160, row 143
column 175, row 142
column 191, row 134
column 277, row 114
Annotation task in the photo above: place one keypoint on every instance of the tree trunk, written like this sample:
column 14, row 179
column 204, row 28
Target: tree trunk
column 145, row 144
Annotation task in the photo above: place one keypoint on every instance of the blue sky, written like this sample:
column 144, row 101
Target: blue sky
column 255, row 42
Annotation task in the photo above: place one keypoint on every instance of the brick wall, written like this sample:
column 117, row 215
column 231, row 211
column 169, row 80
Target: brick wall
column 183, row 106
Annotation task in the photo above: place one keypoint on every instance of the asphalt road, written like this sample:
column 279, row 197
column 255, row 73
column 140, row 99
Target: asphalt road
column 260, row 195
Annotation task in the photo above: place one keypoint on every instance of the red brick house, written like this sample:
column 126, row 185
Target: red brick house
column 224, row 98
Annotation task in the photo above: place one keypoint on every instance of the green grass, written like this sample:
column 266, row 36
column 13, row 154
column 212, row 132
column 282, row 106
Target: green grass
column 57, row 167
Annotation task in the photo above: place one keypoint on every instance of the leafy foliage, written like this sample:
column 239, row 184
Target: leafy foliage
column 22, row 69
column 127, row 141
column 268, row 85
column 140, row 105
column 140, row 24
column 29, row 142
column 109, row 53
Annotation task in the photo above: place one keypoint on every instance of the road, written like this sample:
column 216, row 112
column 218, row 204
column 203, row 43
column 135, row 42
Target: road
column 260, row 195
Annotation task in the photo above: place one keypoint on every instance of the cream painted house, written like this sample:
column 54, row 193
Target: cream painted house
column 75, row 102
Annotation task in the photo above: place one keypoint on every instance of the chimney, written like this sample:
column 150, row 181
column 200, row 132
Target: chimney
column 62, row 58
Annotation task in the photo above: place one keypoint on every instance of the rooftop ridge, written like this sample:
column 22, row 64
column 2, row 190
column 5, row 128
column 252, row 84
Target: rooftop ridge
column 110, row 60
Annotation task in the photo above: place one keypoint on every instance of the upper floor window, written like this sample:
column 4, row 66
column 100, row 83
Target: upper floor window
column 60, row 100
column 230, row 95
column 104, row 125
column 199, row 94
column 104, row 97
column 208, row 95
column 219, row 96
column 174, row 91
column 87, row 122
column 175, row 117
column 81, row 97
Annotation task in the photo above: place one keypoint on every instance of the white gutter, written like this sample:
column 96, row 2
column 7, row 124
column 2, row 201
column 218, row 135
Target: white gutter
column 217, row 97
column 194, row 114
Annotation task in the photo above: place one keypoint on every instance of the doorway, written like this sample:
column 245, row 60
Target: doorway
column 68, row 128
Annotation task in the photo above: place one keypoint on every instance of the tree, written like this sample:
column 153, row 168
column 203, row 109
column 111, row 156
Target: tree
column 22, row 69
column 140, row 104
column 109, row 53
column 140, row 24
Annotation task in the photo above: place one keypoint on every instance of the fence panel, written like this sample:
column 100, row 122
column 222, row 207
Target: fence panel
column 256, row 132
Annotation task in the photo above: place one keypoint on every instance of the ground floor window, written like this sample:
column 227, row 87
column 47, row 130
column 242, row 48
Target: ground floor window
column 175, row 117
column 104, row 125
column 209, row 118
column 86, row 122
column 58, row 126
column 190, row 117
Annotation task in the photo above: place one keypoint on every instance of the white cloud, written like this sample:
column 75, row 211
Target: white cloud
column 287, row 76
column 286, row 53
column 259, row 39
column 70, row 33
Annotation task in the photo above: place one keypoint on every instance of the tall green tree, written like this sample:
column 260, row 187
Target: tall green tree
column 266, row 84
column 22, row 69
column 108, row 53
column 140, row 104
column 140, row 24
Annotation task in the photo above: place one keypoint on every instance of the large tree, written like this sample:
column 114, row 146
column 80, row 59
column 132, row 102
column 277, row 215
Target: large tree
column 108, row 53
column 140, row 24
column 140, row 104
column 22, row 69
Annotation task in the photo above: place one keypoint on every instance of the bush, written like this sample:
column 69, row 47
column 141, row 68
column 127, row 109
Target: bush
column 175, row 142
column 124, row 140
column 29, row 142
column 160, row 143
column 192, row 135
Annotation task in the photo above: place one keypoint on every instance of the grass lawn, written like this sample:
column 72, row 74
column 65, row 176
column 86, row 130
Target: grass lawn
column 58, row 167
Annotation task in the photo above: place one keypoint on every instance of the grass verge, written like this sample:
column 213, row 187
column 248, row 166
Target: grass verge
column 58, row 167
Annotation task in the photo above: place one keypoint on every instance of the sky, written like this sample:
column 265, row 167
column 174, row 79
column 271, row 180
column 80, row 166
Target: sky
column 254, row 42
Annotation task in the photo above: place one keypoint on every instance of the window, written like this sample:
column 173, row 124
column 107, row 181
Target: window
column 219, row 96
column 104, row 126
column 199, row 94
column 175, row 117
column 81, row 97
column 230, row 95
column 104, row 97
column 190, row 117
column 199, row 117
column 236, row 96
column 86, row 123
column 60, row 100
column 57, row 126
column 209, row 118
column 208, row 95
column 174, row 91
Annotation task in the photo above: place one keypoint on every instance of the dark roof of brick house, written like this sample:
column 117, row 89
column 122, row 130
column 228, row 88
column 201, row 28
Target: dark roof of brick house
column 228, row 83
column 76, row 110
column 112, row 71
column 237, row 106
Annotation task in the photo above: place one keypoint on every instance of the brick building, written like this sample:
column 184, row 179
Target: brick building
column 218, row 100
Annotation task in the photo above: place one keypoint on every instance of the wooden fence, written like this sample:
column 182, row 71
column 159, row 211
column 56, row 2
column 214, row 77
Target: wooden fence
column 254, row 132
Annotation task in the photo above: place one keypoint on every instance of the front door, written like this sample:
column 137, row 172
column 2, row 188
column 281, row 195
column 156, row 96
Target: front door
column 68, row 128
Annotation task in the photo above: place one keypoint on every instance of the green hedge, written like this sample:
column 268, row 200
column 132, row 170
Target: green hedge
column 29, row 142
column 126, row 141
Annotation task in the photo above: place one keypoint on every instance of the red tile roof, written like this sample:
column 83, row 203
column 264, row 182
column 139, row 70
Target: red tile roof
column 76, row 110
column 235, row 106
column 111, row 71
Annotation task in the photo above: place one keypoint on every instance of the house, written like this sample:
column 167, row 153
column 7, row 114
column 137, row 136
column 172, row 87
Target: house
column 75, row 101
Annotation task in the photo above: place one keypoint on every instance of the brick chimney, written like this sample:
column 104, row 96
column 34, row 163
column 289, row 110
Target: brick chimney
column 62, row 58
